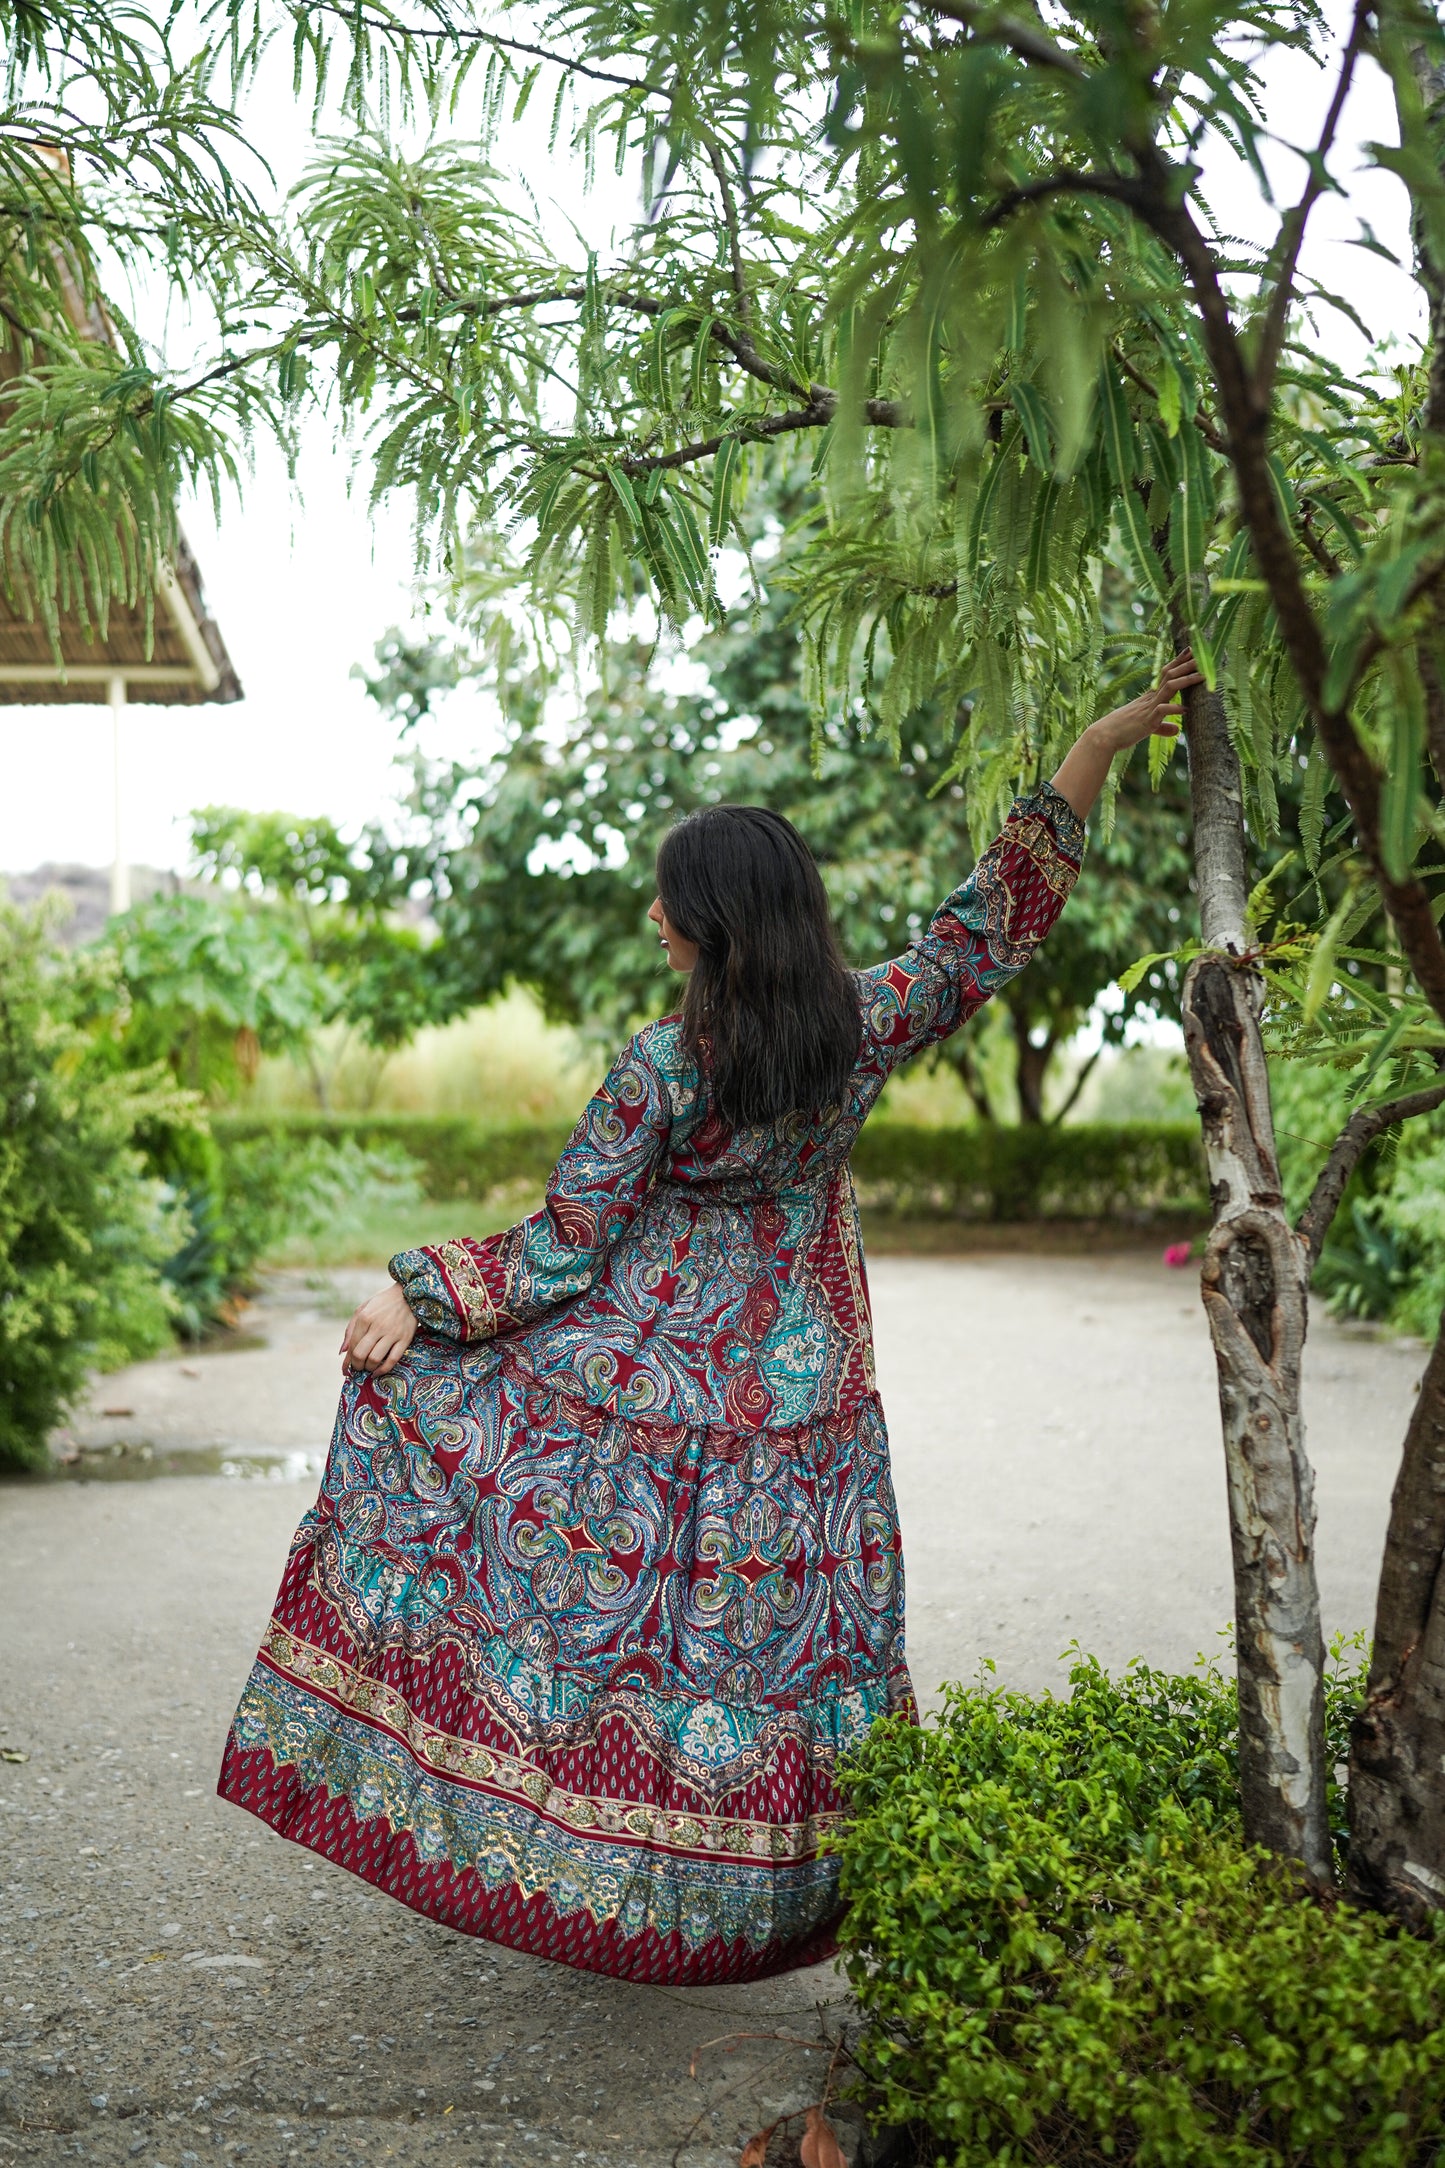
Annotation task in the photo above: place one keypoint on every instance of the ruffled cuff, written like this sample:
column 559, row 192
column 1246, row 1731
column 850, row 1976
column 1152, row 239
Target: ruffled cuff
column 1047, row 804
column 420, row 1278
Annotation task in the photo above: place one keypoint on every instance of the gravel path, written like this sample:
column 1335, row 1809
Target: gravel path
column 182, row 1987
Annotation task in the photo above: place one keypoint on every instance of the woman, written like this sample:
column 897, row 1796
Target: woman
column 604, row 1574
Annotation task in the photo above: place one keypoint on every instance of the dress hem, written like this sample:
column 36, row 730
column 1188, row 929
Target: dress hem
column 326, row 1823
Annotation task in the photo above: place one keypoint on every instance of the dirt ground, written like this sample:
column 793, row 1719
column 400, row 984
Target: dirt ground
column 179, row 1986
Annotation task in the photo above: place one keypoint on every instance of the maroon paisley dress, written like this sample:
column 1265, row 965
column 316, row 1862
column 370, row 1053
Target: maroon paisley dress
column 605, row 1575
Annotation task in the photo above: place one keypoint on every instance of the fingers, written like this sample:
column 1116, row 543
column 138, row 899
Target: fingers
column 1183, row 671
column 377, row 1347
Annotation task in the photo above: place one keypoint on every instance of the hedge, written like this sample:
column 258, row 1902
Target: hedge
column 1064, row 1951
column 458, row 1156
column 1130, row 1171
column 1127, row 1171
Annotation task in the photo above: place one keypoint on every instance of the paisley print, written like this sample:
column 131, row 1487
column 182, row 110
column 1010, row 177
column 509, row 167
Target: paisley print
column 606, row 1575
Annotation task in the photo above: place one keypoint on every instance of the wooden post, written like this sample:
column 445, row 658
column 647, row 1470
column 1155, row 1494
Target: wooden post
column 119, row 868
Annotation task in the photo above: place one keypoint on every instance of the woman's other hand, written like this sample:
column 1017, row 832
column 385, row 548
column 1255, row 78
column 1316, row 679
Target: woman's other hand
column 1155, row 714
column 379, row 1333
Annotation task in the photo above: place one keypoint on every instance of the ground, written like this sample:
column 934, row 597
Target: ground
column 182, row 1987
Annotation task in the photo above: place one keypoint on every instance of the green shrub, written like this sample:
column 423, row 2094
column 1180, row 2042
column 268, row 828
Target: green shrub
column 83, row 1228
column 1065, row 1952
column 454, row 1156
column 987, row 1172
column 1384, row 1257
column 1109, row 1171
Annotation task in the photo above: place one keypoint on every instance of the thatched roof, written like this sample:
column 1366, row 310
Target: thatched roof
column 187, row 661
column 184, row 661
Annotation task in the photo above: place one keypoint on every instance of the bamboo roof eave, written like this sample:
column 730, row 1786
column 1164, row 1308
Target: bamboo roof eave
column 183, row 662
column 176, row 658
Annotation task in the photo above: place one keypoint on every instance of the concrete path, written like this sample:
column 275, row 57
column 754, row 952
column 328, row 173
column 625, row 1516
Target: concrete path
column 178, row 1986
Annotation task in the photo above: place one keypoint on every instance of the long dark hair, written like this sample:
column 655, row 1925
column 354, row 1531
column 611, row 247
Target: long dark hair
column 771, row 1009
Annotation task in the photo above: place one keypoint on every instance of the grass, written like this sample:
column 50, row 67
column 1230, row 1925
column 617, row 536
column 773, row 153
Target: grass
column 502, row 1063
column 378, row 1228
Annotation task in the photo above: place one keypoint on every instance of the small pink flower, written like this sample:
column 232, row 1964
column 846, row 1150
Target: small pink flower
column 1178, row 1253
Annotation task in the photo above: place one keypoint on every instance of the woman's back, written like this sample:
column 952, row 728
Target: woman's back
column 685, row 1270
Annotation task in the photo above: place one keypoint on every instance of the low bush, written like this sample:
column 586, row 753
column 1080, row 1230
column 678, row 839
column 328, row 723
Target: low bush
column 454, row 1156
column 1110, row 1171
column 84, row 1230
column 1065, row 1952
column 262, row 1192
column 1136, row 1170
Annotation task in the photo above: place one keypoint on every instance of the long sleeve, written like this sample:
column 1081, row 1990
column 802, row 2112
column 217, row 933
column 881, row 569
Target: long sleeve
column 981, row 936
column 466, row 1290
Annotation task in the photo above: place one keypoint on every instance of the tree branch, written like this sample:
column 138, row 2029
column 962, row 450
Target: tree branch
column 1359, row 1132
column 1246, row 417
column 1030, row 44
column 1318, row 548
column 754, row 428
column 1086, row 1070
column 1292, row 226
column 1424, row 583
column 456, row 34
column 33, row 331
column 1434, row 690
column 1202, row 423
column 730, row 222
column 1065, row 182
column 474, row 308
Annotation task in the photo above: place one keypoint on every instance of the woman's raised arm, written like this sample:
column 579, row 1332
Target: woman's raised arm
column 1155, row 714
column 986, row 931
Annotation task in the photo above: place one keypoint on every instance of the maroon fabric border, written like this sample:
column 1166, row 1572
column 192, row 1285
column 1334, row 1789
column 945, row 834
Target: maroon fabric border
column 327, row 1824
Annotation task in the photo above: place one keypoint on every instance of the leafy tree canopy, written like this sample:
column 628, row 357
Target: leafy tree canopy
column 964, row 257
column 548, row 873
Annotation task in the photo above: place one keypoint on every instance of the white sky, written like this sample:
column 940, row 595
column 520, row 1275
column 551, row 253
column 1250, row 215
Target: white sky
column 303, row 585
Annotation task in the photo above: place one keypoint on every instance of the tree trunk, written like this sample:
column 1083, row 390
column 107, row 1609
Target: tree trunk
column 1397, row 1743
column 1032, row 1067
column 1255, row 1285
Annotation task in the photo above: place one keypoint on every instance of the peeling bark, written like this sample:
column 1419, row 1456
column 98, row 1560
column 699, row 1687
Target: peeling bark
column 1397, row 1744
column 1255, row 1284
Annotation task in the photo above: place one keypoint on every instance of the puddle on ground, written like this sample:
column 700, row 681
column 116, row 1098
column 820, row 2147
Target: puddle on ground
column 127, row 1463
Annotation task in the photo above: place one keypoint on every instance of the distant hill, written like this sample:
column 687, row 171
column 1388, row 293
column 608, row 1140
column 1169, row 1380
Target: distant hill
column 87, row 891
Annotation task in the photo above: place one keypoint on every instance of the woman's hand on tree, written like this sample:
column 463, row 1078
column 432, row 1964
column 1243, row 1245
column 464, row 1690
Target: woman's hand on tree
column 1155, row 714
column 379, row 1333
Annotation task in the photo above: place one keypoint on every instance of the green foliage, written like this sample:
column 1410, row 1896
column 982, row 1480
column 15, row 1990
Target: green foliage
column 1115, row 1170
column 454, row 1156
column 113, row 146
column 201, row 980
column 961, row 260
column 543, row 864
column 293, row 1181
column 1064, row 1951
column 83, row 1230
column 1123, row 1170
column 338, row 905
column 1384, row 1259
column 1366, row 1269
column 296, row 930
